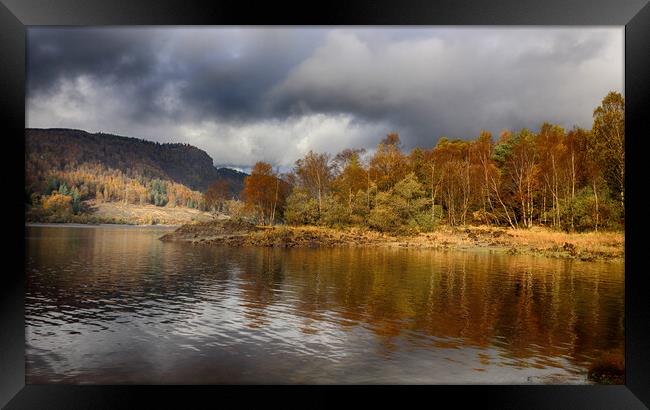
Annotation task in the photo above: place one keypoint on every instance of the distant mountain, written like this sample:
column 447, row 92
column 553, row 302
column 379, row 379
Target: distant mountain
column 235, row 179
column 182, row 163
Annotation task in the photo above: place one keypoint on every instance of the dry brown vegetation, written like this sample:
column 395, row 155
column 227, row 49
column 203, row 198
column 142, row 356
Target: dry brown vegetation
column 540, row 241
column 146, row 214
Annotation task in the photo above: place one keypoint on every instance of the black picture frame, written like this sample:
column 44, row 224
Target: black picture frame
column 15, row 15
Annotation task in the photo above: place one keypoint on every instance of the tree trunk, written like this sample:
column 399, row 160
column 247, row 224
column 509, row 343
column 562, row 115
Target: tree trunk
column 573, row 187
column 320, row 205
column 505, row 209
column 596, row 200
column 275, row 202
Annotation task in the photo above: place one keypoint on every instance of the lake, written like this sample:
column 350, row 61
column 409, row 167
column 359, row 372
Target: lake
column 114, row 305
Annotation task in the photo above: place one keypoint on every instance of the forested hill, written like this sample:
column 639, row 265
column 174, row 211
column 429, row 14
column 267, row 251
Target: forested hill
column 182, row 163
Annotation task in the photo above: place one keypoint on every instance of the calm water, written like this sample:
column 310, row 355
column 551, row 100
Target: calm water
column 116, row 305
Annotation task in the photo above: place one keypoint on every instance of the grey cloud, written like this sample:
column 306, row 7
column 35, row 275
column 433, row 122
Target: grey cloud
column 248, row 94
column 434, row 86
column 216, row 72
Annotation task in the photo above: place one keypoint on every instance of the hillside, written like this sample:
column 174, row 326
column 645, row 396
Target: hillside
column 58, row 149
column 75, row 176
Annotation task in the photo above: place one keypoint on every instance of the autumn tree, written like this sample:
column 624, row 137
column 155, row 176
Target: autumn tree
column 453, row 159
column 481, row 153
column 551, row 155
column 265, row 192
column 350, row 180
column 58, row 204
column 609, row 141
column 581, row 169
column 314, row 174
column 388, row 165
column 217, row 194
column 424, row 165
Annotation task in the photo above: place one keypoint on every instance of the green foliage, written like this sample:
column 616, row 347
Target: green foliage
column 607, row 144
column 63, row 189
column 76, row 200
column 158, row 192
column 52, row 184
column 402, row 209
column 587, row 216
column 334, row 213
column 301, row 209
column 383, row 216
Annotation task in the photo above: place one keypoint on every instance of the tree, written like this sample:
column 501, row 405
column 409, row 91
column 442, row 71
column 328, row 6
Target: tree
column 265, row 192
column 217, row 194
column 157, row 193
column 551, row 155
column 401, row 208
column 58, row 204
column 351, row 176
column 388, row 165
column 453, row 159
column 609, row 141
column 314, row 173
column 301, row 208
column 482, row 152
column 579, row 165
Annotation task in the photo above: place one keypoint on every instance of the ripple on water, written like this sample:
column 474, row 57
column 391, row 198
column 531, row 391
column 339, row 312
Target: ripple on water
column 112, row 305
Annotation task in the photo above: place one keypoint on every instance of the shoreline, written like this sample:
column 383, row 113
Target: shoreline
column 602, row 246
column 95, row 225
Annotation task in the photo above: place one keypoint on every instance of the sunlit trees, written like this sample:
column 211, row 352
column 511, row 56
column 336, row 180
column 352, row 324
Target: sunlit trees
column 499, row 181
column 580, row 168
column 571, row 180
column 388, row 165
column 265, row 192
column 455, row 178
column 301, row 208
column 609, row 141
column 58, row 204
column 481, row 153
column 350, row 178
column 402, row 208
column 314, row 174
column 549, row 177
column 427, row 171
column 551, row 154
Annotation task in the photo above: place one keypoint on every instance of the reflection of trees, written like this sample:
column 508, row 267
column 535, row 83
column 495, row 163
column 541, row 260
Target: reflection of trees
column 260, row 274
column 91, row 273
column 527, row 306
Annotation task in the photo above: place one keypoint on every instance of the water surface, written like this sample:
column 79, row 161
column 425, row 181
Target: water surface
column 113, row 304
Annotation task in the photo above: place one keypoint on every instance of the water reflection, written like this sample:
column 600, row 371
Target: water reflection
column 115, row 305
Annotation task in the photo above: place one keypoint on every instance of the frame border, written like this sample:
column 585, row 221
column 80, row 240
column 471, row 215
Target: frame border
column 15, row 15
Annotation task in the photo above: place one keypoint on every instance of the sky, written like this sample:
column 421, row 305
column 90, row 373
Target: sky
column 248, row 94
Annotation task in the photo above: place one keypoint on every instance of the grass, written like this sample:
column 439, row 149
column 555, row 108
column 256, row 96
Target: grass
column 119, row 213
column 538, row 241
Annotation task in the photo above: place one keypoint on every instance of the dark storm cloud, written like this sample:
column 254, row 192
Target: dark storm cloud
column 215, row 72
column 248, row 94
column 55, row 54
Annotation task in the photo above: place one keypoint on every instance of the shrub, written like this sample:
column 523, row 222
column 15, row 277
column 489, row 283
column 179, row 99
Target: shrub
column 58, row 204
column 583, row 210
column 301, row 209
column 334, row 212
column 383, row 216
column 402, row 209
